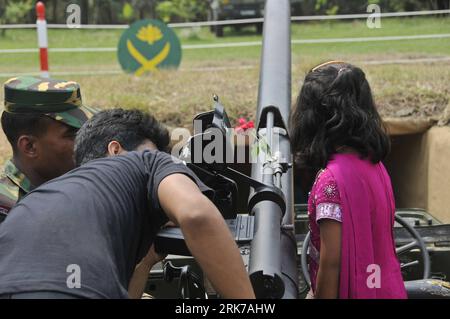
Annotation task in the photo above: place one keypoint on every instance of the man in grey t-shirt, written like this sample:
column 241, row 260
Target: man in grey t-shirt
column 100, row 220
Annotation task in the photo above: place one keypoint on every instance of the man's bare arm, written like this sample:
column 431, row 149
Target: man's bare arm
column 139, row 279
column 206, row 234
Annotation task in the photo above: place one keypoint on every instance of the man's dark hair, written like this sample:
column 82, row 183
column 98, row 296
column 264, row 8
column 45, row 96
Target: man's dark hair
column 15, row 125
column 128, row 127
column 335, row 108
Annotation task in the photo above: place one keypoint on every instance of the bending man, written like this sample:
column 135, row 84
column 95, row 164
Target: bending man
column 104, row 216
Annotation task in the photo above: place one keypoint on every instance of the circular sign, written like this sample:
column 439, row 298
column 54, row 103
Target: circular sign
column 148, row 45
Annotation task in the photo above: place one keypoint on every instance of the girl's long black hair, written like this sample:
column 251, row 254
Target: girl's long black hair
column 335, row 108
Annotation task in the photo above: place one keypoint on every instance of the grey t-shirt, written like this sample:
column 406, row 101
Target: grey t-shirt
column 96, row 221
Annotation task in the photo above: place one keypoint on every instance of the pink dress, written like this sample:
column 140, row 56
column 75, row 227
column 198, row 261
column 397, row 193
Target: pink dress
column 358, row 194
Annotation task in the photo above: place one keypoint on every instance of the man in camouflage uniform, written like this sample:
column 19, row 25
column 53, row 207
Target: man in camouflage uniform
column 40, row 120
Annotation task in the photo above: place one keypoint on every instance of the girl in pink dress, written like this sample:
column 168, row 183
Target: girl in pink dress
column 337, row 130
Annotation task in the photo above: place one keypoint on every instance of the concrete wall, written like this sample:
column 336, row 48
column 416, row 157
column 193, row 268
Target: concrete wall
column 407, row 166
column 419, row 165
column 438, row 141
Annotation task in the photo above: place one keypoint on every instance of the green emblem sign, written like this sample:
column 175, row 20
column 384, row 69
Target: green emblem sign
column 148, row 45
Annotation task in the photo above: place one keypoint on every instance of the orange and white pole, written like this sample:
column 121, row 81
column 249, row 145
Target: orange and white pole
column 41, row 25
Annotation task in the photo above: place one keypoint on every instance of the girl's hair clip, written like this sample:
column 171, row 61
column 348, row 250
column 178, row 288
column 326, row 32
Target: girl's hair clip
column 325, row 64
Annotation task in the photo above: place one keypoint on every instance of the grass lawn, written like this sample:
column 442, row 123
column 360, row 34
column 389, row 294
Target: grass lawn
column 423, row 89
column 16, row 39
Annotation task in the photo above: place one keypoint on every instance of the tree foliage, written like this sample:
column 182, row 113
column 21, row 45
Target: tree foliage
column 182, row 10
column 15, row 11
column 12, row 12
column 358, row 6
column 126, row 11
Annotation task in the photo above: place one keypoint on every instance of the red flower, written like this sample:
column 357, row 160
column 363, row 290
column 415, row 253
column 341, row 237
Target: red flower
column 244, row 125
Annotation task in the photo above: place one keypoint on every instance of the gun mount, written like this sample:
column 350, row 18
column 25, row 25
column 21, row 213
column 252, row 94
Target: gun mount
column 269, row 226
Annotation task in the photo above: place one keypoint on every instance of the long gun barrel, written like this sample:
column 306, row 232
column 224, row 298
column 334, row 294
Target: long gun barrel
column 273, row 266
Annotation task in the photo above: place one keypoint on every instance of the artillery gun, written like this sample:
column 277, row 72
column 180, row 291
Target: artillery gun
column 257, row 198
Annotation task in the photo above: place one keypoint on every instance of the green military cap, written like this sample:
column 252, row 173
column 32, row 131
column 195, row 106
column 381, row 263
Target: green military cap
column 58, row 99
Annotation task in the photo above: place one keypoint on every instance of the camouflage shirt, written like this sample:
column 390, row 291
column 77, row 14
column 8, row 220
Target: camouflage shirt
column 13, row 185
